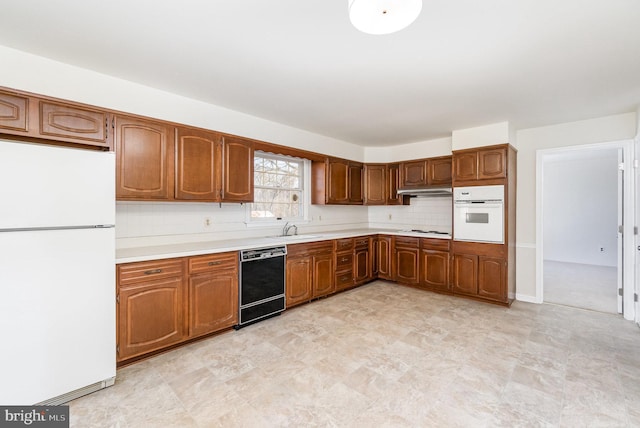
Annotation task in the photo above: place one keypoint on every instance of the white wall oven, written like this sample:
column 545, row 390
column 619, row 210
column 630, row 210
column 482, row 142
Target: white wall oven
column 478, row 214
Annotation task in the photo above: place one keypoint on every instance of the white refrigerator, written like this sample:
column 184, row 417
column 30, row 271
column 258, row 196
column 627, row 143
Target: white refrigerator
column 57, row 273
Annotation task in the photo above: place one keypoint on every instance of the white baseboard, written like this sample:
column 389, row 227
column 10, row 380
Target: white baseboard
column 527, row 298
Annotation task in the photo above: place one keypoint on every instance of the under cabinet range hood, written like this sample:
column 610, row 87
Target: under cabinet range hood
column 426, row 192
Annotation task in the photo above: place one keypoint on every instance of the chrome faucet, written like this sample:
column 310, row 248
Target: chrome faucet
column 287, row 228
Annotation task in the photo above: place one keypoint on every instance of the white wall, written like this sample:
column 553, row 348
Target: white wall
column 422, row 149
column 486, row 135
column 580, row 208
column 528, row 142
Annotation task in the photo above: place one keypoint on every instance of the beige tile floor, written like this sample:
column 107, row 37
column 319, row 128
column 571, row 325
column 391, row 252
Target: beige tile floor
column 383, row 355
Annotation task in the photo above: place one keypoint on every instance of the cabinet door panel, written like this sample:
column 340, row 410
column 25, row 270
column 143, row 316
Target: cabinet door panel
column 492, row 278
column 237, row 173
column 492, row 163
column 356, row 195
column 361, row 267
column 407, row 265
column 375, row 184
column 384, row 257
column 337, row 176
column 144, row 157
column 465, row 274
column 150, row 317
column 440, row 171
column 323, row 279
column 435, row 270
column 14, row 114
column 213, row 302
column 70, row 123
column 393, row 181
column 465, row 166
column 414, row 174
column 299, row 277
column 197, row 165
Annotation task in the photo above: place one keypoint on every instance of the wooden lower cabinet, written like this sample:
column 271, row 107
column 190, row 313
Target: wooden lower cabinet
column 162, row 303
column 406, row 260
column 323, row 282
column 434, row 269
column 492, row 278
column 465, row 274
column 150, row 307
column 213, row 293
column 385, row 252
column 299, row 279
column 309, row 271
column 480, row 276
column 361, row 261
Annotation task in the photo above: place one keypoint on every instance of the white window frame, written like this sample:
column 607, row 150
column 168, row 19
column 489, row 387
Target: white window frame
column 305, row 191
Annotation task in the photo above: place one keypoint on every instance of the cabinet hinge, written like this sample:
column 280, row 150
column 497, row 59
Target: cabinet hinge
column 106, row 128
column 117, row 349
column 118, row 298
column 621, row 166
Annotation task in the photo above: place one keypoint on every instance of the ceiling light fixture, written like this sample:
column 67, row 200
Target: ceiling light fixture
column 383, row 16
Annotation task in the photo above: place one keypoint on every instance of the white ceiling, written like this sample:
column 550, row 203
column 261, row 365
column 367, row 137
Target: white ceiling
column 461, row 64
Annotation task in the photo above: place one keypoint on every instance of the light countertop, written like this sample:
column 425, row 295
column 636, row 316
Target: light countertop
column 156, row 252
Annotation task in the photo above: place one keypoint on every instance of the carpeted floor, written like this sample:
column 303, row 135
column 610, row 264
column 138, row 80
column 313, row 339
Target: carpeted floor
column 582, row 286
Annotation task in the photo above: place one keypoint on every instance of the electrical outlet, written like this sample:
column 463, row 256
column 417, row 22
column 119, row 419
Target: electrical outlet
column 207, row 222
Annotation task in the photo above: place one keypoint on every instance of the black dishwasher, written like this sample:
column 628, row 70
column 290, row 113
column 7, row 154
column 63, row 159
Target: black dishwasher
column 262, row 282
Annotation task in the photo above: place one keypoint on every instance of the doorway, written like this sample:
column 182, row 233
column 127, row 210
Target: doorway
column 583, row 258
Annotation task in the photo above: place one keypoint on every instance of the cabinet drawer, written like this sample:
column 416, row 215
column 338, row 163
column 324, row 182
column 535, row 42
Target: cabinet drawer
column 436, row 244
column 344, row 244
column 405, row 241
column 362, row 242
column 314, row 248
column 344, row 279
column 212, row 262
column 132, row 273
column 344, row 260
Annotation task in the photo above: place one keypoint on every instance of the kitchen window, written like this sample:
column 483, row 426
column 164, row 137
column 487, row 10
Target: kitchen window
column 280, row 184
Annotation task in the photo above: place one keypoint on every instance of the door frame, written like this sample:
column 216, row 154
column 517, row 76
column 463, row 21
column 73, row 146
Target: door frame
column 629, row 251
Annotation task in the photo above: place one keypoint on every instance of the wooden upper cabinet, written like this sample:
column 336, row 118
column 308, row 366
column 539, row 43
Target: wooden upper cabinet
column 144, row 159
column 198, row 165
column 338, row 181
column 74, row 124
column 439, row 171
column 492, row 163
column 237, row 169
column 393, row 181
column 375, row 184
column 14, row 113
column 53, row 121
column 465, row 166
column 426, row 172
column 480, row 164
column 413, row 174
column 356, row 194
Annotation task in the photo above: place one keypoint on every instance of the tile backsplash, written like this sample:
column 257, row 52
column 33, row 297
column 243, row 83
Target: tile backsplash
column 158, row 223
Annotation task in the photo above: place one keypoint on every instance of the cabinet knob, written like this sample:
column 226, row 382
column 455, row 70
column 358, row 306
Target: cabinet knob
column 153, row 271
